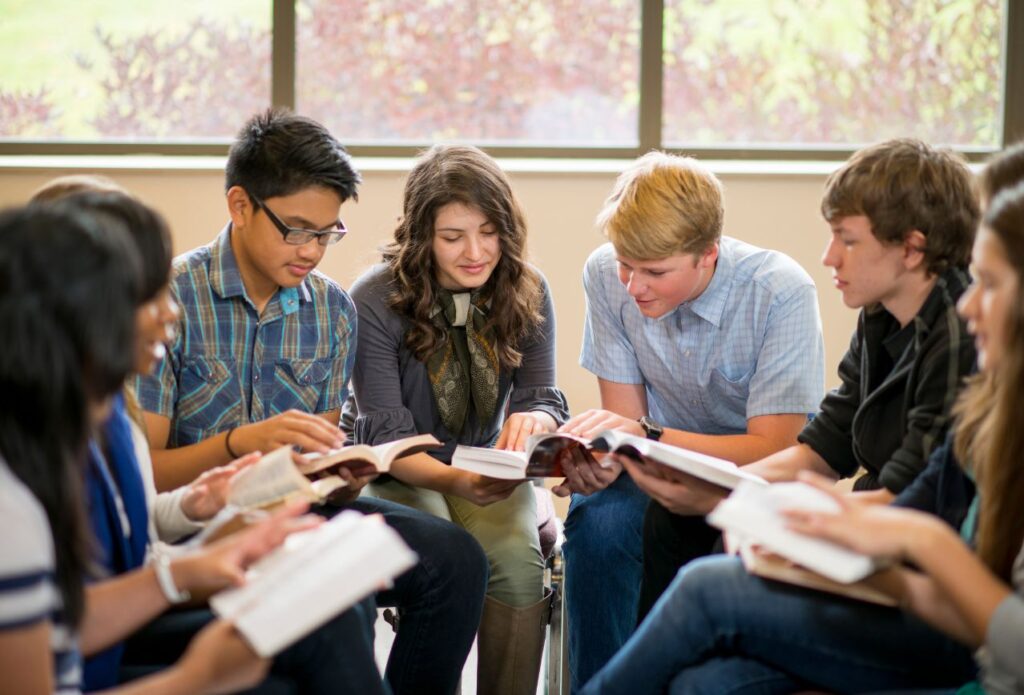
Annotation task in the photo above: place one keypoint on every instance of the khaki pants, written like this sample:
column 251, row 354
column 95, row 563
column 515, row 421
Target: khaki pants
column 506, row 530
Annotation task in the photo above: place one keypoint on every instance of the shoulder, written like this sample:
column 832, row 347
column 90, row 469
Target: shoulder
column 765, row 270
column 330, row 292
column 191, row 261
column 191, row 270
column 374, row 285
column 600, row 269
column 27, row 544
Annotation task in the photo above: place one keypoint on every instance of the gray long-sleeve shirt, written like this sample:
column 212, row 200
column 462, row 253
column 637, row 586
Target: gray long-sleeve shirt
column 392, row 393
column 1002, row 657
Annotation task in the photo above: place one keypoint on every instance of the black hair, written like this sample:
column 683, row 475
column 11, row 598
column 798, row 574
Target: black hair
column 278, row 153
column 67, row 301
column 146, row 229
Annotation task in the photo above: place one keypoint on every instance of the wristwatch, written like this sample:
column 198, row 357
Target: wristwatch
column 652, row 430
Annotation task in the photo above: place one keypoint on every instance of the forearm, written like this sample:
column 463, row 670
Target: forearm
column 117, row 607
column 963, row 580
column 170, row 681
column 786, row 464
column 738, row 448
column 423, row 470
column 173, row 468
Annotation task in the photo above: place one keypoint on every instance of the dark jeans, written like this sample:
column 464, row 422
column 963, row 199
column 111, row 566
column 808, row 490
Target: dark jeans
column 720, row 630
column 335, row 658
column 602, row 574
column 439, row 600
column 671, row 541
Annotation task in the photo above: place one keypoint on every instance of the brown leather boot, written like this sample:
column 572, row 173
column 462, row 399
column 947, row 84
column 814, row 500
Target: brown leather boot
column 510, row 645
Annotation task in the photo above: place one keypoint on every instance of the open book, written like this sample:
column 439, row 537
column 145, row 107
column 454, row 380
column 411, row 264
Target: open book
column 543, row 457
column 753, row 514
column 367, row 460
column 276, row 478
column 313, row 577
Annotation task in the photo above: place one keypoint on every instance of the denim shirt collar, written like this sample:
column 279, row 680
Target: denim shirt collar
column 226, row 279
column 710, row 305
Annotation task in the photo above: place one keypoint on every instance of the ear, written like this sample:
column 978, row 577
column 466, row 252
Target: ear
column 914, row 244
column 239, row 207
column 709, row 257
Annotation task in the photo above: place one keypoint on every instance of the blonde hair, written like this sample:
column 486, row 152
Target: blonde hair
column 663, row 205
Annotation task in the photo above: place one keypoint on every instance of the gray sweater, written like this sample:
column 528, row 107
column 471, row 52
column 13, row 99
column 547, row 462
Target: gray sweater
column 1002, row 656
column 393, row 396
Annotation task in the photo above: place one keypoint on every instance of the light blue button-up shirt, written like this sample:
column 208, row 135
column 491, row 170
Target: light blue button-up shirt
column 749, row 345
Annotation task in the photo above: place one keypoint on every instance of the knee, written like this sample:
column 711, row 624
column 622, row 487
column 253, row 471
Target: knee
column 705, row 582
column 461, row 557
column 601, row 526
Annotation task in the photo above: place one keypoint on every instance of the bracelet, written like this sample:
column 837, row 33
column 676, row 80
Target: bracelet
column 227, row 443
column 162, row 568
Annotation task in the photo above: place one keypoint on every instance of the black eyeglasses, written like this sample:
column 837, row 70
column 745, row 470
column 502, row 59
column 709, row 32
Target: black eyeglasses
column 297, row 236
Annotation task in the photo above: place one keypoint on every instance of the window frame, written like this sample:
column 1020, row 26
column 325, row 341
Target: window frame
column 649, row 121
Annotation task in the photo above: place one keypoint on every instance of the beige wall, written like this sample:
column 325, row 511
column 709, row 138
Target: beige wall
column 776, row 211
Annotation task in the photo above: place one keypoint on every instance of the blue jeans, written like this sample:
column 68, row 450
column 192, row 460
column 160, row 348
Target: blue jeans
column 603, row 569
column 720, row 630
column 439, row 600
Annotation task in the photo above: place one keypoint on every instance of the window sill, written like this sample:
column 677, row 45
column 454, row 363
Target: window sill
column 146, row 163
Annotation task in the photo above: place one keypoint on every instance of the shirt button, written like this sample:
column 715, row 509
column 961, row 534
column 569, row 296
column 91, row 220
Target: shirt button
column 687, row 353
column 256, row 377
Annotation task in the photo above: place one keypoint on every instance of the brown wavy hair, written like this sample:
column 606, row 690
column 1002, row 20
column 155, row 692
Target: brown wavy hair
column 460, row 174
column 989, row 427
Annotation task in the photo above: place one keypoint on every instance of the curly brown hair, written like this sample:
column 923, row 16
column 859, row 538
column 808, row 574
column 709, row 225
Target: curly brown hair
column 460, row 174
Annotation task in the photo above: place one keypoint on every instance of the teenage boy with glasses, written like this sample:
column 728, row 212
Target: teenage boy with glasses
column 262, row 357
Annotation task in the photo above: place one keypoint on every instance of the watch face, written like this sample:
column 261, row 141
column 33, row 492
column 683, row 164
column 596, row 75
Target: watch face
column 651, row 428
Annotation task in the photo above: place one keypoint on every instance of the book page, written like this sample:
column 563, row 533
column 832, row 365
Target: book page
column 714, row 470
column 271, row 479
column 313, row 577
column 494, row 463
column 405, row 447
column 753, row 511
column 367, row 460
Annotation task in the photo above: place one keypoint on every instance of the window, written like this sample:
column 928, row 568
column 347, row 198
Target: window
column 522, row 77
column 120, row 71
column 813, row 72
column 412, row 71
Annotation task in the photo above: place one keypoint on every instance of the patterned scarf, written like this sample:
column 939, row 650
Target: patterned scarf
column 463, row 370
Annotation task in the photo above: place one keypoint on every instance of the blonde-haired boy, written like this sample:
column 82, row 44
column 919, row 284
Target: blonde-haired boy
column 697, row 339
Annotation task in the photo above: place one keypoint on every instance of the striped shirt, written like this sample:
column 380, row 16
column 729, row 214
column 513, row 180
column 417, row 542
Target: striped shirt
column 750, row 344
column 230, row 365
column 28, row 589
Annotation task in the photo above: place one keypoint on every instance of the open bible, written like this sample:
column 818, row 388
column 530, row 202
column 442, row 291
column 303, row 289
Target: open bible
column 545, row 453
column 313, row 577
column 276, row 478
column 753, row 515
column 367, row 460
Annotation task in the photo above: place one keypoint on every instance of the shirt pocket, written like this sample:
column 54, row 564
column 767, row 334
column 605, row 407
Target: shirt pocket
column 727, row 395
column 210, row 399
column 300, row 384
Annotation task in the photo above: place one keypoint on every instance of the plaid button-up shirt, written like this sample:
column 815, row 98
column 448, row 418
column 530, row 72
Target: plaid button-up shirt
column 229, row 365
